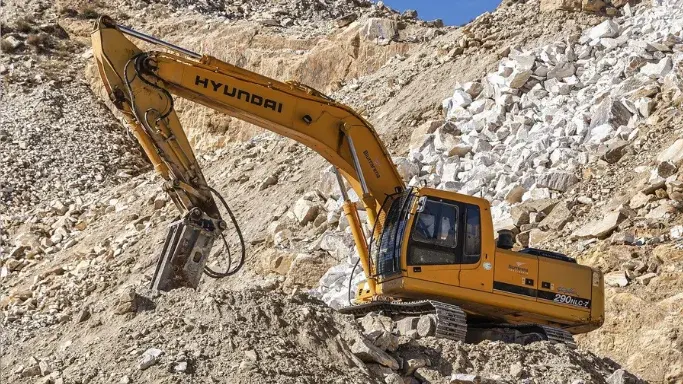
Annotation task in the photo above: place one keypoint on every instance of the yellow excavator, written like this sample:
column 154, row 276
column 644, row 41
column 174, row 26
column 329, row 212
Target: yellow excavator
column 431, row 253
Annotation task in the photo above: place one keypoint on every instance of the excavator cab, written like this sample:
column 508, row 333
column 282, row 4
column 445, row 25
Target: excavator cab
column 430, row 236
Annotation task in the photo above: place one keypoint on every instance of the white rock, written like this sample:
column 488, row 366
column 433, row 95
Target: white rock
column 616, row 279
column 673, row 153
column 461, row 98
column 659, row 69
column 305, row 211
column 607, row 28
column 149, row 358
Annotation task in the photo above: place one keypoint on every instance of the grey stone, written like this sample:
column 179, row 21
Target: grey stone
column 557, row 181
column 616, row 279
column 149, row 358
column 407, row 324
column 462, row 378
column 600, row 228
column 369, row 353
column 620, row 376
column 557, row 219
column 673, row 153
column 610, row 111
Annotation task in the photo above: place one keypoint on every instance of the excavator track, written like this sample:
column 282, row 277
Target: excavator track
column 560, row 336
column 451, row 320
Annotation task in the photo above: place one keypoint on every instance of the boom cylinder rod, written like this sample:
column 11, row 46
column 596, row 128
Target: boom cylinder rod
column 369, row 201
column 351, row 213
column 356, row 163
column 154, row 40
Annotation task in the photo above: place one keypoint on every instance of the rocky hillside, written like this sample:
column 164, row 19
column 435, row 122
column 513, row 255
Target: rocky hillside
column 562, row 113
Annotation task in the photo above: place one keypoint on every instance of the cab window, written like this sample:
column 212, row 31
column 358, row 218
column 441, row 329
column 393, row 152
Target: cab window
column 434, row 234
column 472, row 249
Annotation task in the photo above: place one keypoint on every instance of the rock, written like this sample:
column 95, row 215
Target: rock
column 462, row 378
column 639, row 200
column 426, row 326
column 160, row 202
column 560, row 5
column 610, row 111
column 520, row 215
column 537, row 237
column 616, row 279
column 149, row 357
column 306, row 270
column 393, row 378
column 673, row 153
column 406, row 168
column 379, row 29
column 367, row 352
column 346, row 20
column 659, row 69
column 676, row 232
column 13, row 42
column 83, row 315
column 413, row 364
column 600, row 228
column 594, row 6
column 615, row 151
column 515, row 194
column 45, row 368
column 646, row 278
column 58, row 207
column 557, row 181
column 562, row 71
column 620, row 376
column 607, row 28
column 305, row 211
column 409, row 14
column 269, row 22
column 517, row 370
column 268, row 182
column 557, row 218
column 384, row 340
column 622, row 238
column 473, row 88
column 666, row 169
column 181, row 367
column 127, row 302
column 407, row 324
column 461, row 99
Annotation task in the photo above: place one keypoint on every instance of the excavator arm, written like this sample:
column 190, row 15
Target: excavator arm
column 141, row 85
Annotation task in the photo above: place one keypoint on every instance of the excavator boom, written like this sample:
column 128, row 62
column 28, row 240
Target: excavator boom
column 140, row 84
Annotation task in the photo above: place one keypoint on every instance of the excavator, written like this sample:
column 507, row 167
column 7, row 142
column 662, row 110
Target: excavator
column 430, row 253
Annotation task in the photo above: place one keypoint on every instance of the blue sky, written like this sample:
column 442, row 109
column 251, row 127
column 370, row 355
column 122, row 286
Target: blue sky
column 452, row 12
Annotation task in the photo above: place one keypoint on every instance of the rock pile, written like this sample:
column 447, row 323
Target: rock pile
column 56, row 141
column 288, row 13
column 525, row 131
column 264, row 336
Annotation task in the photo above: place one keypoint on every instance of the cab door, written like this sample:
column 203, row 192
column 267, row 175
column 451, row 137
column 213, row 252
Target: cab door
column 434, row 244
column 476, row 265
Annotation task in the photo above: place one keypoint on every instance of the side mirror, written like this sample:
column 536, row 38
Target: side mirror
column 421, row 203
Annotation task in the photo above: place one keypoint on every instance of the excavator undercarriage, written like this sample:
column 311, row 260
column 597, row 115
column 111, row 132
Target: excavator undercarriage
column 449, row 321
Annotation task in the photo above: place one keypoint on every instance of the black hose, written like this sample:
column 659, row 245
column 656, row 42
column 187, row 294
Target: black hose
column 351, row 279
column 228, row 271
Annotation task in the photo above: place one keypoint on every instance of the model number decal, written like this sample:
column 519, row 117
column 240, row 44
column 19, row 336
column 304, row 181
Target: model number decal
column 575, row 301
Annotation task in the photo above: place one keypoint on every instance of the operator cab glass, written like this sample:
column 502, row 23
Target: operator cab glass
column 445, row 232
